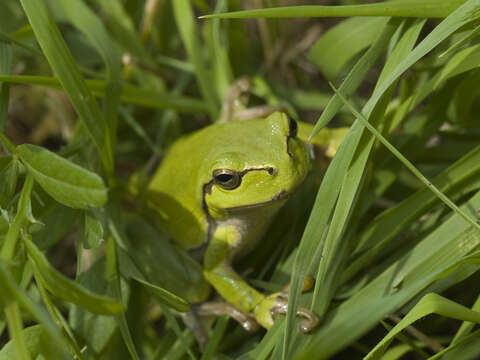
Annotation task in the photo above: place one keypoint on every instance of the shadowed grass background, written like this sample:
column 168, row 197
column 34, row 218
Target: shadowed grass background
column 103, row 88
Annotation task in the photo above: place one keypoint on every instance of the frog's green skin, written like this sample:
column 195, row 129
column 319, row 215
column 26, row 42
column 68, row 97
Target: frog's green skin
column 222, row 224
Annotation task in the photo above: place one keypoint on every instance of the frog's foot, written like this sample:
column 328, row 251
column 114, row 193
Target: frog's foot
column 281, row 307
column 277, row 303
column 219, row 308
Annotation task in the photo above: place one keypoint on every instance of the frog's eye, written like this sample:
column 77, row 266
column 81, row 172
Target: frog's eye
column 226, row 178
column 293, row 128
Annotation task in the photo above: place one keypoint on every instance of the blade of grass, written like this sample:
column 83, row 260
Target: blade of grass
column 326, row 201
column 429, row 304
column 387, row 225
column 430, row 256
column 184, row 18
column 130, row 94
column 165, row 296
column 11, row 291
column 464, row 352
column 354, row 78
column 123, row 29
column 56, row 314
column 15, row 327
column 402, row 8
column 65, row 68
column 462, row 334
column 113, row 277
column 407, row 163
column 457, row 19
column 8, row 248
column 212, row 345
column 10, row 39
column 80, row 15
column 68, row 289
column 219, row 51
column 6, row 54
column 333, row 252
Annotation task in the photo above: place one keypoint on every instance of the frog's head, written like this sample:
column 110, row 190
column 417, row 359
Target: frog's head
column 254, row 163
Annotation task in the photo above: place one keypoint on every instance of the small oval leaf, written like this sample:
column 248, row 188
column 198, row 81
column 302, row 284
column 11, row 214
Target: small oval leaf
column 63, row 180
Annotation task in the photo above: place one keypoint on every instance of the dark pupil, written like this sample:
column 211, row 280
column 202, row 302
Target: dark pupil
column 293, row 127
column 224, row 178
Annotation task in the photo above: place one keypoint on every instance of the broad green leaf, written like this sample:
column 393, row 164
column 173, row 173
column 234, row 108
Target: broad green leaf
column 69, row 290
column 342, row 42
column 162, row 263
column 63, row 180
column 58, row 220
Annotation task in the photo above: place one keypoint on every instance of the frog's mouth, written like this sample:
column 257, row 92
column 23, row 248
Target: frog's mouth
column 281, row 195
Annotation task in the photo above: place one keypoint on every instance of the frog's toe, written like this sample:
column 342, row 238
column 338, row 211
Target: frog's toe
column 219, row 308
column 310, row 321
column 275, row 304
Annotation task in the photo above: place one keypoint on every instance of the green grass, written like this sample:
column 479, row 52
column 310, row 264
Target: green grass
column 391, row 226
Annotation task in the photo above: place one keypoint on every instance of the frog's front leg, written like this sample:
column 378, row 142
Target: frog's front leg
column 236, row 291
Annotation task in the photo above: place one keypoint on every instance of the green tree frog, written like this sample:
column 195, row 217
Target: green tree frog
column 215, row 194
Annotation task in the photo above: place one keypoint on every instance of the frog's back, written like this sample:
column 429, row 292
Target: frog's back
column 175, row 194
